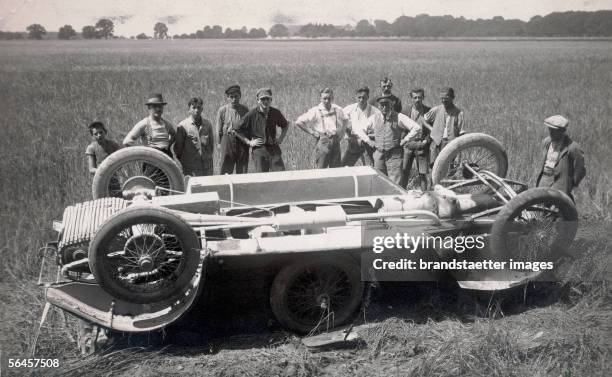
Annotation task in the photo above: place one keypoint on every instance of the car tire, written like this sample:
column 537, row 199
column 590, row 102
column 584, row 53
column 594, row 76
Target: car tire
column 126, row 163
column 155, row 235
column 341, row 298
column 537, row 225
column 467, row 144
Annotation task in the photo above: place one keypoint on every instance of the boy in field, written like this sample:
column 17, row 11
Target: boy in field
column 100, row 147
column 194, row 141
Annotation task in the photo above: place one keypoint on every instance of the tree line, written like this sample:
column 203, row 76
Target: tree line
column 556, row 24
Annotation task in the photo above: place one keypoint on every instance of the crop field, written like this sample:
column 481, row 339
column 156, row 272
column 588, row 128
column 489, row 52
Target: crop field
column 52, row 90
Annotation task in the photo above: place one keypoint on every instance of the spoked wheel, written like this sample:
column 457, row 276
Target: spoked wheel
column 535, row 226
column 478, row 152
column 134, row 169
column 311, row 294
column 144, row 254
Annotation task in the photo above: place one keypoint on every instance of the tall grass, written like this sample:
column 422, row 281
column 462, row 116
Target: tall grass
column 52, row 90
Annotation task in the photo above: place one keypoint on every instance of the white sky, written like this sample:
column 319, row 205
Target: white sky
column 186, row 16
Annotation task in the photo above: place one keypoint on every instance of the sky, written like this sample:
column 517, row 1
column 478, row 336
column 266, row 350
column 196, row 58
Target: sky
column 186, row 16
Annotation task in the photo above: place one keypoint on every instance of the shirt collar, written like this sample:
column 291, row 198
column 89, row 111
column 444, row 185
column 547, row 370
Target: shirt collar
column 193, row 121
column 322, row 108
column 391, row 116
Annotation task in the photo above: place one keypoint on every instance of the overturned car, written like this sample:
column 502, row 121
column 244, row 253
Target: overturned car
column 136, row 257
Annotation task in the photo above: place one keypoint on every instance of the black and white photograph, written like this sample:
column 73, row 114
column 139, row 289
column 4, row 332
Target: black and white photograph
column 291, row 188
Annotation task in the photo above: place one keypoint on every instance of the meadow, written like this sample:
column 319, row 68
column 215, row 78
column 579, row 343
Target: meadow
column 52, row 90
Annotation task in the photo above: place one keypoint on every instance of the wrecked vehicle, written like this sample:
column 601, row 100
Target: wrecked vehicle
column 136, row 257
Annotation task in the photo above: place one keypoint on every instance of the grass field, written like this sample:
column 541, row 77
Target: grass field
column 52, row 90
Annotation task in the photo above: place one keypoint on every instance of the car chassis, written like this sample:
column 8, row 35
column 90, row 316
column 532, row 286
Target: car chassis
column 136, row 257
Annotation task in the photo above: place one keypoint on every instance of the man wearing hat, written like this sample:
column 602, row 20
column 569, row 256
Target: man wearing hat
column 388, row 127
column 327, row 123
column 385, row 90
column 153, row 131
column 447, row 121
column 257, row 129
column 358, row 114
column 234, row 154
column 562, row 161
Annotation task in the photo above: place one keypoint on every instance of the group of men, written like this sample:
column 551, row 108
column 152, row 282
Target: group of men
column 378, row 133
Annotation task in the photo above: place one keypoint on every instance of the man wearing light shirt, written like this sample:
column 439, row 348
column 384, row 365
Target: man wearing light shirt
column 327, row 123
column 447, row 121
column 358, row 114
column 153, row 131
column 387, row 127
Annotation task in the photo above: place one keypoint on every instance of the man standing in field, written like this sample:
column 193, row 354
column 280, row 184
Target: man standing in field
column 385, row 90
column 327, row 123
column 257, row 129
column 562, row 161
column 100, row 147
column 153, row 131
column 417, row 151
column 447, row 121
column 234, row 153
column 358, row 114
column 387, row 127
column 194, row 144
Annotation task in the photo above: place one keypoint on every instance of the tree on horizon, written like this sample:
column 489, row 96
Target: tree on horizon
column 66, row 32
column 89, row 32
column 279, row 31
column 160, row 31
column 36, row 31
column 105, row 28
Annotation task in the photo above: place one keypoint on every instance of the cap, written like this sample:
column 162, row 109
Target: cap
column 327, row 90
column 556, row 121
column 155, row 99
column 232, row 89
column 264, row 92
column 384, row 99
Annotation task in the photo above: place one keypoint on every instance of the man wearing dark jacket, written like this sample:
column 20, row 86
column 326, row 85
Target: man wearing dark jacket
column 562, row 161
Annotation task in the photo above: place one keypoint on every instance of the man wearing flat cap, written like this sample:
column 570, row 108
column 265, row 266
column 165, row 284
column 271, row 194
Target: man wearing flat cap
column 388, row 126
column 446, row 120
column 327, row 123
column 257, row 129
column 153, row 131
column 562, row 161
column 234, row 154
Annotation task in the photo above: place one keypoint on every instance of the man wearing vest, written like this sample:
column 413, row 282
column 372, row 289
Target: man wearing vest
column 417, row 151
column 327, row 123
column 234, row 153
column 153, row 131
column 257, row 129
column 447, row 122
column 387, row 127
column 358, row 114
column 562, row 161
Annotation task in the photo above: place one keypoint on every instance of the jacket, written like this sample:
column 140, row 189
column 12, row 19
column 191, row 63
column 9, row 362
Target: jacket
column 570, row 168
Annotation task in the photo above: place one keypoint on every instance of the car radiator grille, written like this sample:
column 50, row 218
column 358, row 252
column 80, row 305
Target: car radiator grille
column 81, row 221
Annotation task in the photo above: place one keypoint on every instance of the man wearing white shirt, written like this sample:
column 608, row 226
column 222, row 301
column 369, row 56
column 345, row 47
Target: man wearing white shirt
column 327, row 123
column 358, row 114
column 387, row 127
